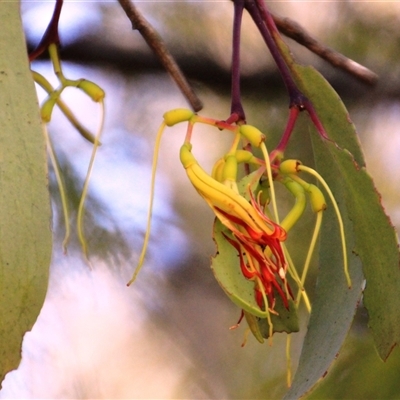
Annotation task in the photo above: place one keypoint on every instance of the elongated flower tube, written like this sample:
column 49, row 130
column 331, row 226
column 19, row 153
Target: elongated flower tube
column 257, row 239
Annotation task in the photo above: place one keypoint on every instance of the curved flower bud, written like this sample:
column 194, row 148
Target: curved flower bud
column 257, row 239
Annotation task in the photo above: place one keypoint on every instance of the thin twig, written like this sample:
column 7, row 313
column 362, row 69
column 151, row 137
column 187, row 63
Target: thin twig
column 296, row 32
column 155, row 42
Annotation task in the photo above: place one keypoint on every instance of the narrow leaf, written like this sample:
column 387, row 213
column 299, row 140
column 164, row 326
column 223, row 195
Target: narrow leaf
column 334, row 304
column 369, row 235
column 375, row 238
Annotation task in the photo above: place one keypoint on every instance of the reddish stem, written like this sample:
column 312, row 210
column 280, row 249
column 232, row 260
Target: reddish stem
column 237, row 111
column 296, row 96
column 51, row 34
column 293, row 113
column 298, row 101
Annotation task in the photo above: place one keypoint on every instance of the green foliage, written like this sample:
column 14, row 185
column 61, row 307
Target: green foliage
column 25, row 235
column 370, row 223
column 360, row 374
column 342, row 166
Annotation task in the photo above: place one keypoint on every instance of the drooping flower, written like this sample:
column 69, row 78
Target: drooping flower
column 257, row 239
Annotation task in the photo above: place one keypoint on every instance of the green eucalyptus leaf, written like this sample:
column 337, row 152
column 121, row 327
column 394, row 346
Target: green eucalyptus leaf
column 375, row 244
column 25, row 235
column 334, row 304
column 375, row 238
column 370, row 238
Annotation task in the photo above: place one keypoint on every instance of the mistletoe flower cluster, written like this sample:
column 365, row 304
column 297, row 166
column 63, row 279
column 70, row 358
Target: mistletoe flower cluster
column 250, row 238
column 257, row 239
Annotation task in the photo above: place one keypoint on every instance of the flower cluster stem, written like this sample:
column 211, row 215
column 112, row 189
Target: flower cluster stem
column 259, row 14
column 51, row 35
column 237, row 111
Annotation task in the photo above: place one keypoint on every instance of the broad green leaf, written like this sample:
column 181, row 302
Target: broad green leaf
column 367, row 229
column 375, row 238
column 376, row 245
column 25, row 235
column 334, row 304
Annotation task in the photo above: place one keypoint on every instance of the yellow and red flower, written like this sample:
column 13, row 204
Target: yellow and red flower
column 257, row 239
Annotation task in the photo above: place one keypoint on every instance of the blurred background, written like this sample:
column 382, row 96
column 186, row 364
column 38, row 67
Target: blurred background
column 167, row 335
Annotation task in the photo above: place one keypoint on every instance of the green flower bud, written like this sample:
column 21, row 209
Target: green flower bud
column 244, row 156
column 229, row 171
column 290, row 166
column 317, row 198
column 47, row 108
column 252, row 134
column 185, row 155
column 94, row 91
column 173, row 117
